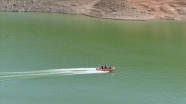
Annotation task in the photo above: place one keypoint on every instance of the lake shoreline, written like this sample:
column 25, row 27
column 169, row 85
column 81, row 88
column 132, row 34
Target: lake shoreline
column 125, row 10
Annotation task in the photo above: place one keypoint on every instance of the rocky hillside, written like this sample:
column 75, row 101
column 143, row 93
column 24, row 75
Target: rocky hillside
column 112, row 9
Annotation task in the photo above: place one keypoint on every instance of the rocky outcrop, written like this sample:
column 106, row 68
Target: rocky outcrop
column 34, row 6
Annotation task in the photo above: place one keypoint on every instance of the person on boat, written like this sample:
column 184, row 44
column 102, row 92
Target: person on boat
column 105, row 66
column 101, row 67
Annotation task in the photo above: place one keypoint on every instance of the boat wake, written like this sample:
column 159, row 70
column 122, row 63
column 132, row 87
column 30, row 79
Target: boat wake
column 70, row 71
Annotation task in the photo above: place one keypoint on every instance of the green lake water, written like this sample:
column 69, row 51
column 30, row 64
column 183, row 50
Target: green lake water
column 50, row 58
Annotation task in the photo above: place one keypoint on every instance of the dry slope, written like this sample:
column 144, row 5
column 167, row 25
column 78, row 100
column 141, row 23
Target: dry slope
column 112, row 9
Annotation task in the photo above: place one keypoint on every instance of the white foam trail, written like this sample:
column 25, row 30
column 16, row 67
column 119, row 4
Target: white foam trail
column 70, row 71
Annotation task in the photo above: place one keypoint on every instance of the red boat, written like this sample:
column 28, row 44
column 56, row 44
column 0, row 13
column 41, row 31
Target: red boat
column 106, row 68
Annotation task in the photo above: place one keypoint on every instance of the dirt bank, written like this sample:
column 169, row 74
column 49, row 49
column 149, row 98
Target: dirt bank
column 111, row 9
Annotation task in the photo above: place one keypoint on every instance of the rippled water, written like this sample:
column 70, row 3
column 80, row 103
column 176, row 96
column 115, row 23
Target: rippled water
column 51, row 59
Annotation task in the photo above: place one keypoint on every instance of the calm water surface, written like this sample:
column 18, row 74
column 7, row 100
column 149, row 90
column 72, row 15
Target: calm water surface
column 38, row 50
